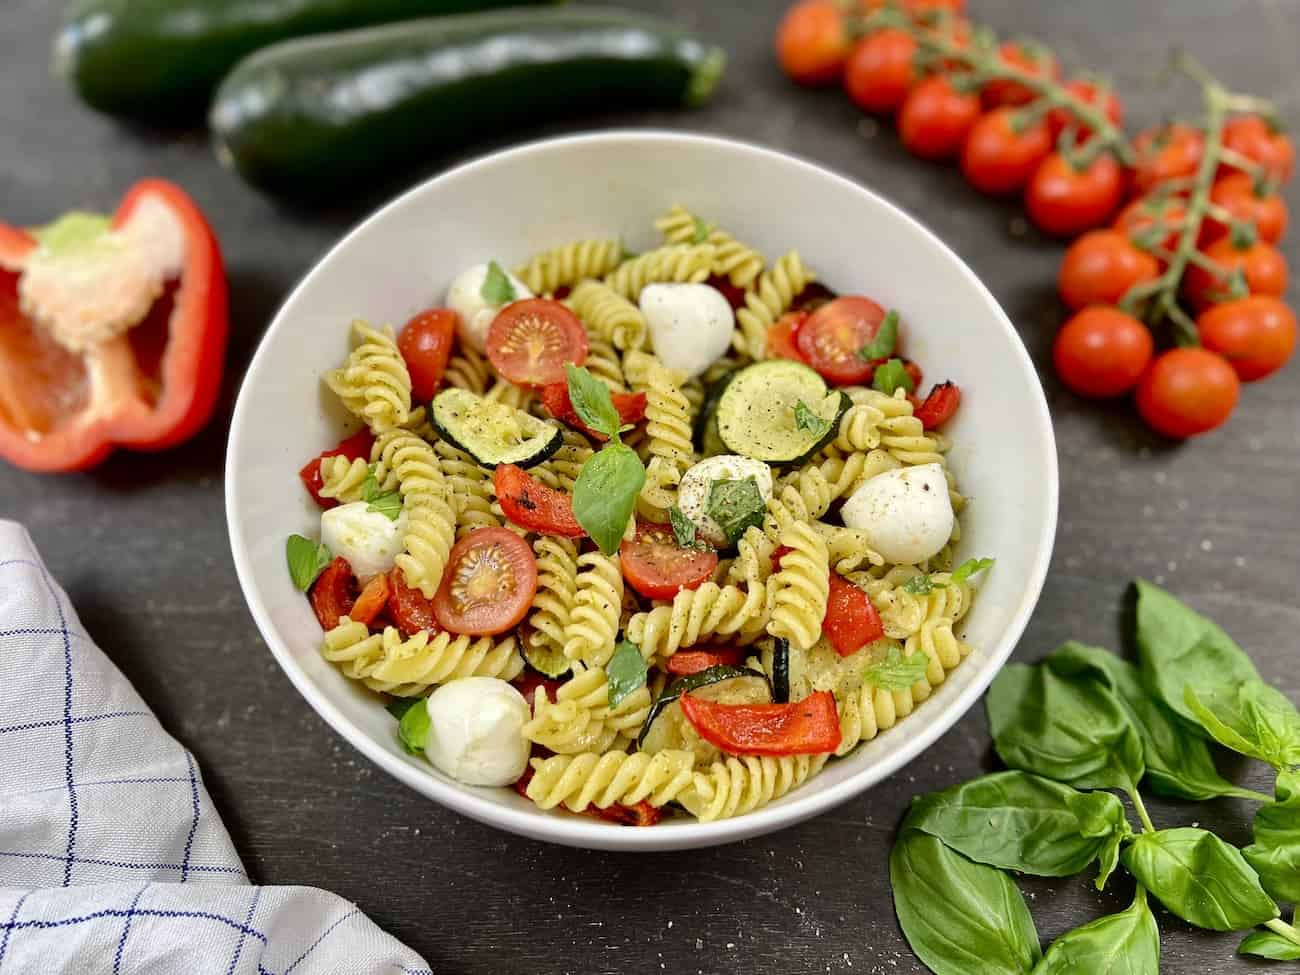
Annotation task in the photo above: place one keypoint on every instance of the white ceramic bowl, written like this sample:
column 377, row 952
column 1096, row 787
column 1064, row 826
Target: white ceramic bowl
column 508, row 205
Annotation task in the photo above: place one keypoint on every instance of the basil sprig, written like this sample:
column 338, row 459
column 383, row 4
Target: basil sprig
column 891, row 375
column 387, row 503
column 884, row 343
column 307, row 560
column 896, row 672
column 735, row 505
column 626, row 672
column 604, row 496
column 497, row 287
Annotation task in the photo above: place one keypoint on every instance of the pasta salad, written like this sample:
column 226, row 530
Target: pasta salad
column 634, row 533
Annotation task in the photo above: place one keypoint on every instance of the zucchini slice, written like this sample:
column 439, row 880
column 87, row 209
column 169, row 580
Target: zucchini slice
column 547, row 661
column 758, row 414
column 491, row 432
column 666, row 727
column 707, row 441
column 781, row 671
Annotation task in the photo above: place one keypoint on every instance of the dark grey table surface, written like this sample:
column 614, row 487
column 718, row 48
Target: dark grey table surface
column 141, row 544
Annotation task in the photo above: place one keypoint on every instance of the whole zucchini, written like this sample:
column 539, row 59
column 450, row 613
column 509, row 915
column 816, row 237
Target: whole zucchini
column 306, row 116
column 159, row 60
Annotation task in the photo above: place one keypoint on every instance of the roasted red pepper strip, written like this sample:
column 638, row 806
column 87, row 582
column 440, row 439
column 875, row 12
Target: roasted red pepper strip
column 807, row 727
column 333, row 593
column 555, row 397
column 408, row 607
column 531, row 504
column 642, row 814
column 686, row 662
column 940, row 406
column 112, row 346
column 354, row 447
column 371, row 602
column 851, row 620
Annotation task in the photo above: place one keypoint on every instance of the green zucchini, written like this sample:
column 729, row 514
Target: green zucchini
column 707, row 441
column 781, row 671
column 731, row 685
column 493, row 433
column 547, row 661
column 758, row 412
column 312, row 115
column 160, row 60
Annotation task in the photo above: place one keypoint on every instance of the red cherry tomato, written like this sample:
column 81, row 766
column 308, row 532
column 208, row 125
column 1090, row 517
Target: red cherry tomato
column 408, row 607
column 1262, row 265
column 835, row 333
column 851, row 620
column 658, row 568
column 1187, row 391
column 880, row 70
column 555, row 397
column 333, row 593
column 935, row 118
column 1256, row 334
column 1255, row 139
column 939, row 407
column 1033, row 60
column 693, row 661
column 530, row 504
column 1239, row 195
column 529, row 680
column 1102, row 352
column 531, row 341
column 1100, row 267
column 812, row 42
column 782, row 336
column 813, row 296
column 371, row 602
column 1092, row 94
column 1144, row 218
column 1066, row 201
column 1166, row 152
column 1003, row 150
column 425, row 343
column 488, row 585
column 807, row 727
column 354, row 447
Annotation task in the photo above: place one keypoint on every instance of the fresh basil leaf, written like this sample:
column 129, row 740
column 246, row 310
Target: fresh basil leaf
column 701, row 232
column 398, row 706
column 735, row 506
column 497, row 288
column 1022, row 822
column 886, row 340
column 683, row 528
column 969, row 568
column 1268, row 944
column 1199, row 877
column 592, row 402
column 626, row 672
column 1127, row 942
column 922, row 585
column 959, row 916
column 1275, row 854
column 1251, row 718
column 1071, row 730
column 307, row 560
column 605, row 493
column 387, row 503
column 896, row 672
column 1177, row 647
column 413, row 727
column 1108, row 856
column 892, row 375
column 805, row 419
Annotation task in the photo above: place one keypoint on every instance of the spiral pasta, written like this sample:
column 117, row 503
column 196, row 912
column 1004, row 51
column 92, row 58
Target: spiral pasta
column 467, row 369
column 470, row 487
column 581, row 781
column 604, row 362
column 597, row 609
column 769, row 299
column 569, row 263
column 581, row 720
column 609, row 315
column 667, row 411
column 342, row 478
column 740, row 785
column 431, row 520
column 732, row 259
column 560, row 471
column 801, row 586
column 674, row 263
column 505, row 392
column 700, row 614
column 373, row 383
column 557, row 591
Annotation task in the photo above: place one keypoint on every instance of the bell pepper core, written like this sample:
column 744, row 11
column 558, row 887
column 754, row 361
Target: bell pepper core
column 807, row 727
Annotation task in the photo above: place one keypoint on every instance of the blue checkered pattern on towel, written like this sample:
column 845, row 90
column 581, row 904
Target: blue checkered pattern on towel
column 112, row 857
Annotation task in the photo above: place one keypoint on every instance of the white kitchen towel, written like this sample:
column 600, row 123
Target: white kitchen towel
column 112, row 857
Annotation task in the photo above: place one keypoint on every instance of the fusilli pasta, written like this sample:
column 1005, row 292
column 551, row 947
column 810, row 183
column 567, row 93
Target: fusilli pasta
column 569, row 263
column 373, row 383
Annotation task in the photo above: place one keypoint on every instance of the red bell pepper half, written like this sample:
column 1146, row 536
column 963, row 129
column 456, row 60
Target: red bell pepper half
column 807, row 727
column 112, row 332
column 693, row 661
column 355, row 447
column 851, row 620
column 530, row 504
column 555, row 397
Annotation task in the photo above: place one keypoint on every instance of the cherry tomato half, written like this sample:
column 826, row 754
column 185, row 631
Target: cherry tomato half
column 812, row 42
column 1239, row 195
column 530, row 504
column 531, row 341
column 1187, row 391
column 1033, row 60
column 1066, row 201
column 488, row 585
column 835, row 333
column 851, row 620
column 1092, row 94
column 1256, row 334
column 1003, row 149
column 940, row 406
column 1144, row 219
column 1100, row 267
column 408, row 607
column 333, row 593
column 1102, row 352
column 1166, row 152
column 658, row 568
column 782, row 336
column 1255, row 139
column 880, row 70
column 1262, row 265
column 935, row 118
column 425, row 343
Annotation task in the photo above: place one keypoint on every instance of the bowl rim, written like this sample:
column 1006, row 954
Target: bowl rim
column 576, row 831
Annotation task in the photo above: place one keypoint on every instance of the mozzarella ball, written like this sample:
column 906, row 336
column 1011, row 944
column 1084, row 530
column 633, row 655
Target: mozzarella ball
column 474, row 314
column 693, row 492
column 369, row 540
column 906, row 513
column 690, row 325
column 476, row 731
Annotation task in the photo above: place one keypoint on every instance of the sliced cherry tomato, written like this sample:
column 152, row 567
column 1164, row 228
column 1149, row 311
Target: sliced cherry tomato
column 333, row 593
column 1256, row 334
column 555, row 397
column 1066, row 201
column 851, row 620
column 371, row 602
column 1102, row 352
column 425, row 343
column 807, row 727
column 935, row 118
column 813, row 296
column 812, row 42
column 1148, row 217
column 835, row 333
column 658, row 568
column 1171, row 151
column 488, row 585
column 880, row 70
column 1262, row 266
column 531, row 504
column 531, row 341
column 408, row 607
column 1255, row 139
column 1240, row 194
column 354, row 447
column 529, row 680
column 781, row 337
column 1090, row 93
column 1187, row 391
column 940, row 406
column 1003, row 150
column 697, row 659
column 1100, row 267
column 1033, row 59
